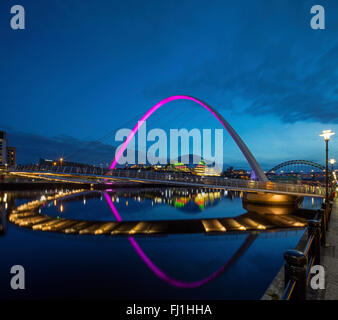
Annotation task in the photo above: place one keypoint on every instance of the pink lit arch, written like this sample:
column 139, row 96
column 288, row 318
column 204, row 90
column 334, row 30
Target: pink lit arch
column 246, row 152
column 175, row 282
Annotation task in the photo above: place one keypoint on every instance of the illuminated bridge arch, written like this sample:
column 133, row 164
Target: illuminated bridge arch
column 295, row 163
column 260, row 175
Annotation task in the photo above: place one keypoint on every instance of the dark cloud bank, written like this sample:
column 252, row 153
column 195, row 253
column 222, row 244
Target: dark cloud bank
column 32, row 147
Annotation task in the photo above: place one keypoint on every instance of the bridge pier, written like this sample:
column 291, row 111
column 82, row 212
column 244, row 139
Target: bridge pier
column 272, row 199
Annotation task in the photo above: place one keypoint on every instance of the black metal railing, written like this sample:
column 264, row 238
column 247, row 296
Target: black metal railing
column 298, row 264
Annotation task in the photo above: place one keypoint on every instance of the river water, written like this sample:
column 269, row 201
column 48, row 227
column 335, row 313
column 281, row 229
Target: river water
column 174, row 266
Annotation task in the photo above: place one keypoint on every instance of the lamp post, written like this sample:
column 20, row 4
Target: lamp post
column 326, row 134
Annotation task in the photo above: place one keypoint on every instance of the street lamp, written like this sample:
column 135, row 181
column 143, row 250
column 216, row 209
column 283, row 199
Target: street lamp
column 326, row 134
column 61, row 160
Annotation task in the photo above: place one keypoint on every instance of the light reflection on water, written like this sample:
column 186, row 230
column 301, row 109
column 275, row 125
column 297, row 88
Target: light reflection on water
column 160, row 204
column 164, row 204
column 88, row 266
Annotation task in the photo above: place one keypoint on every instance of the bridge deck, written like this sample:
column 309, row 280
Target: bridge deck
column 170, row 179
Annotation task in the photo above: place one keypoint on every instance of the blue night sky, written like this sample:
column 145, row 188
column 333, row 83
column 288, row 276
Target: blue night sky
column 81, row 69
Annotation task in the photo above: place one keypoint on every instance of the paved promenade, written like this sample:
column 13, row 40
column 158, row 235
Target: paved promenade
column 329, row 259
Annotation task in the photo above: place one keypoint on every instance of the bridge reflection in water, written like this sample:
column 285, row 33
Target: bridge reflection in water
column 257, row 219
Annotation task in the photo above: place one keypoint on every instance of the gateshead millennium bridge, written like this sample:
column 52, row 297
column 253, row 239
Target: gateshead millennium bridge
column 277, row 192
column 98, row 176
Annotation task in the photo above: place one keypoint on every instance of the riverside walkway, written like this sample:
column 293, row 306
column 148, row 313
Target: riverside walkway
column 329, row 259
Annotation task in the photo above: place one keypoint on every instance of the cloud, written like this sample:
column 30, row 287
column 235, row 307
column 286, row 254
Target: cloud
column 290, row 94
column 31, row 147
column 278, row 66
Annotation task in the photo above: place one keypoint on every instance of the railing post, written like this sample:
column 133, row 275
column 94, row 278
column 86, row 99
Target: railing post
column 329, row 210
column 295, row 269
column 325, row 207
column 314, row 230
column 323, row 226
